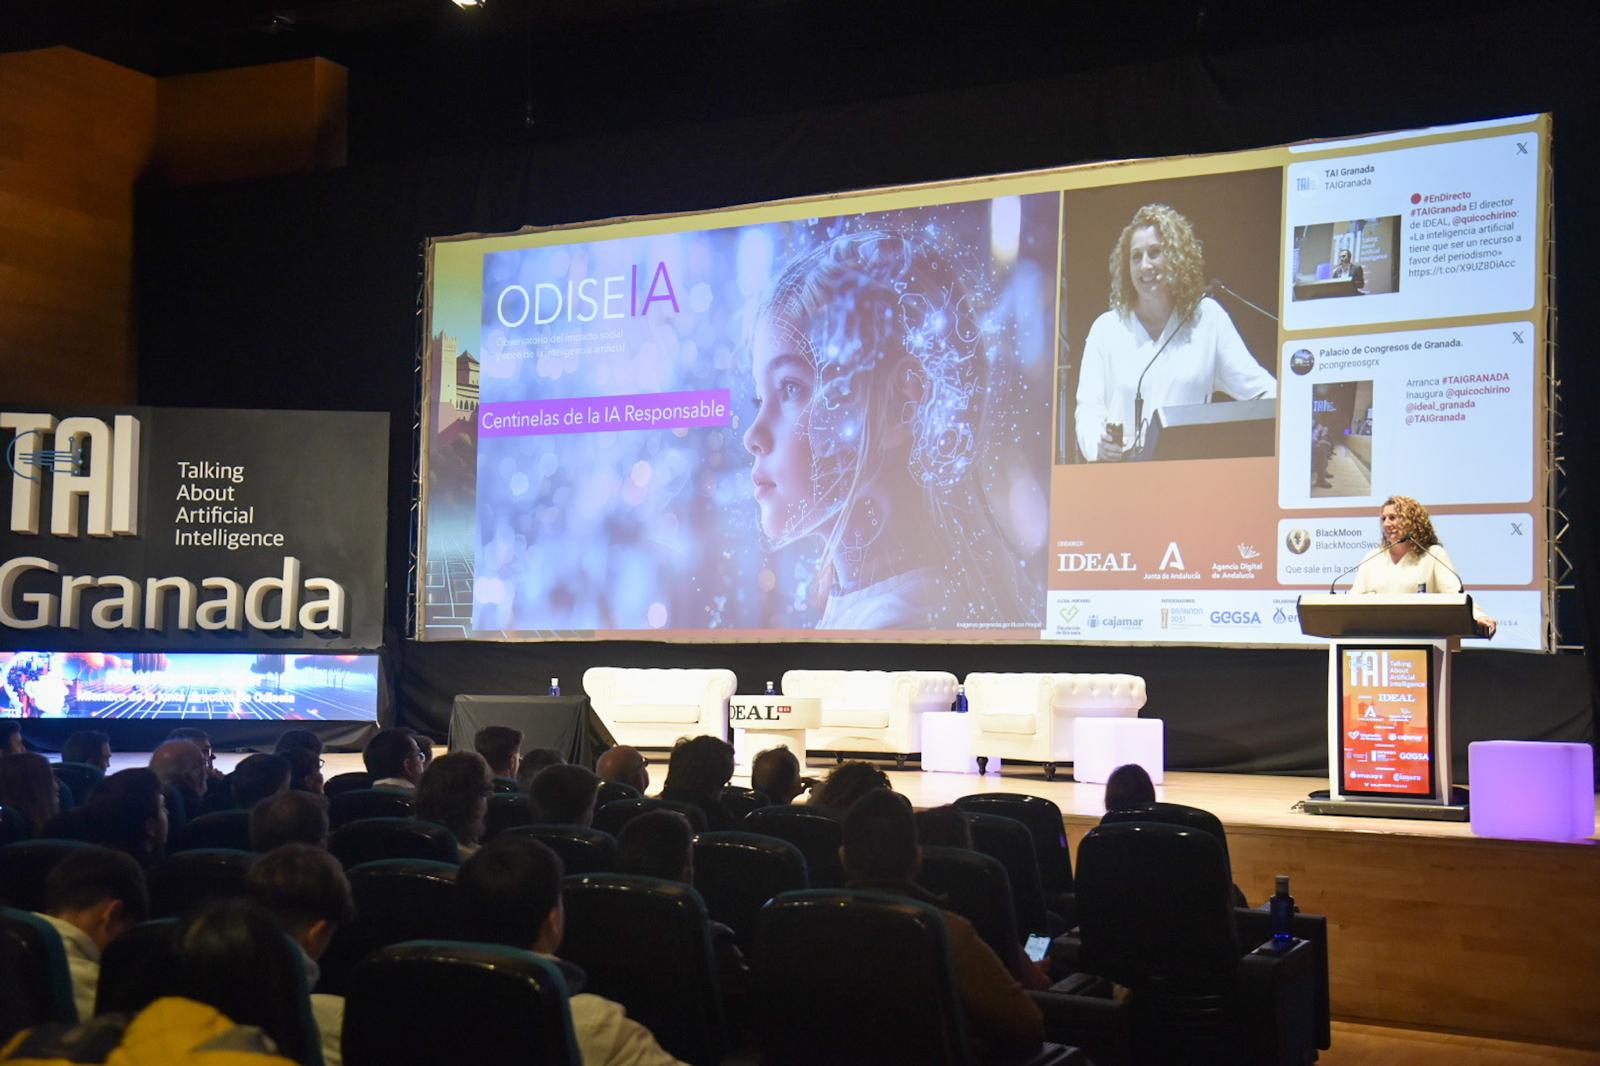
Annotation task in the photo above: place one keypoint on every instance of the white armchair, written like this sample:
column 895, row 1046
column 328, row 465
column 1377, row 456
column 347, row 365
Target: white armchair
column 654, row 708
column 1029, row 716
column 872, row 710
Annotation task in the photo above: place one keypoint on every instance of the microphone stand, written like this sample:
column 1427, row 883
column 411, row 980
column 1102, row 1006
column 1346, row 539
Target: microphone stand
column 1218, row 285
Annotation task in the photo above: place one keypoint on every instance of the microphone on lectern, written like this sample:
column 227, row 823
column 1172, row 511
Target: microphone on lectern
column 1429, row 553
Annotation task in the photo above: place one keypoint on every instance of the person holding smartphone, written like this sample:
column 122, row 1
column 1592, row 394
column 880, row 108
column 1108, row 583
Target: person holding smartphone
column 1162, row 342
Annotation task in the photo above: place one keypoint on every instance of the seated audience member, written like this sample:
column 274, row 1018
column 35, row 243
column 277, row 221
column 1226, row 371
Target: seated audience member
column 944, row 827
column 289, row 818
column 881, row 853
column 183, row 770
column 698, row 771
column 93, row 896
column 562, row 795
column 28, row 784
column 128, row 812
column 846, row 783
column 455, row 792
column 511, row 894
column 775, row 774
column 306, row 890
column 257, row 777
column 90, row 747
column 305, row 770
column 501, row 748
column 424, row 747
column 297, row 740
column 202, row 740
column 1129, row 786
column 232, row 966
column 624, row 765
column 534, row 760
column 393, row 759
column 11, row 742
column 661, row 844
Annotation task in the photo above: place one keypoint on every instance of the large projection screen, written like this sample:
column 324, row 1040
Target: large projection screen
column 1150, row 401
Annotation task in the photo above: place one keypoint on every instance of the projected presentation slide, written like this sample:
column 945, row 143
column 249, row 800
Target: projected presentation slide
column 240, row 687
column 1122, row 403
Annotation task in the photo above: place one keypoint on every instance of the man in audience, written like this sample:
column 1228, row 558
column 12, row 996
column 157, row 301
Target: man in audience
column 534, row 760
column 128, row 812
column 393, row 759
column 625, row 765
column 880, row 852
column 290, row 817
column 11, row 738
column 93, row 896
column 501, row 748
column 183, row 770
column 775, row 774
column 454, row 792
column 306, row 890
column 424, row 747
column 511, row 894
column 563, row 795
column 305, row 769
column 257, row 777
column 699, row 770
column 202, row 740
column 297, row 740
column 90, row 747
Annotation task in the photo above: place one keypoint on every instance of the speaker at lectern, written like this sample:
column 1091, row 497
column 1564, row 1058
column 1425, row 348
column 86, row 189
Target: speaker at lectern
column 1389, row 701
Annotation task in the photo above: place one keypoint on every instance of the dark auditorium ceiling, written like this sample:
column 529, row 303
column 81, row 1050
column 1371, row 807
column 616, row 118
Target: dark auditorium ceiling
column 426, row 75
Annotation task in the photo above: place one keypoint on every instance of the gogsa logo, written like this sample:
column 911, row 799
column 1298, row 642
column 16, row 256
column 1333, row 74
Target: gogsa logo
column 1235, row 618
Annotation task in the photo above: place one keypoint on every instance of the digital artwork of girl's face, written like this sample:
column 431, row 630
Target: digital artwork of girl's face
column 779, row 437
column 1147, row 262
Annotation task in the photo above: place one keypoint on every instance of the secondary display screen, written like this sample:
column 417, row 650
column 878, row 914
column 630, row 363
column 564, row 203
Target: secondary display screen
column 239, row 687
column 1142, row 402
column 1386, row 699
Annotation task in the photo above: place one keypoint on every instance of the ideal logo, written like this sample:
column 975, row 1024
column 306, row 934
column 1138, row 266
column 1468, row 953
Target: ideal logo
column 86, row 462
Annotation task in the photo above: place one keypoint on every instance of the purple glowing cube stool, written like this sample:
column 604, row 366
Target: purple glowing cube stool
column 1531, row 790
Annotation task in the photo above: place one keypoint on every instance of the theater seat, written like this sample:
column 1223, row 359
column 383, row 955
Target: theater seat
column 975, row 886
column 1047, row 830
column 613, row 816
column 396, row 900
column 26, row 865
column 892, row 1000
column 370, row 839
column 137, row 968
column 646, row 944
column 360, row 803
column 739, row 802
column 219, row 829
column 339, row 784
column 582, row 850
column 35, row 984
column 13, row 825
column 1007, row 840
column 737, row 873
column 1181, row 814
column 610, row 791
column 80, row 777
column 506, row 809
column 498, row 1005
column 817, row 833
column 186, row 879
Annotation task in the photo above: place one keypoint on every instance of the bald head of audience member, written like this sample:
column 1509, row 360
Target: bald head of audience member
column 625, row 765
column 775, row 774
column 181, row 763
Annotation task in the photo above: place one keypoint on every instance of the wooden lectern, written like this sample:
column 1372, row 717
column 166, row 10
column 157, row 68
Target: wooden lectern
column 1389, row 701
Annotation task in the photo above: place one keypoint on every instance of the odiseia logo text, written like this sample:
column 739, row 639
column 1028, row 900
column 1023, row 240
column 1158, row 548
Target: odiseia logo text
column 93, row 486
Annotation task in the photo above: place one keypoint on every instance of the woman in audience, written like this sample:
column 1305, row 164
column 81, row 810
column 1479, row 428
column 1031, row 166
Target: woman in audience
column 454, row 792
column 699, row 770
column 847, row 783
column 129, row 812
column 1129, row 786
column 27, row 784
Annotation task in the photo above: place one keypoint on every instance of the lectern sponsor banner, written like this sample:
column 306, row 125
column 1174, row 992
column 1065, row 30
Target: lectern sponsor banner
column 1385, row 702
column 192, row 530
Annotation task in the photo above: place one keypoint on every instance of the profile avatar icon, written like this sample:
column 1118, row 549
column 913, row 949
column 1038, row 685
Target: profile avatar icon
column 1298, row 541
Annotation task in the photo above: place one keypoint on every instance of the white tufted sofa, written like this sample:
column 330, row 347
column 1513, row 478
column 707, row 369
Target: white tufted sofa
column 1029, row 716
column 872, row 710
column 654, row 708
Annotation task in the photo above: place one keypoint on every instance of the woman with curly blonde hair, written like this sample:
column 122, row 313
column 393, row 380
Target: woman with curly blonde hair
column 1411, row 559
column 1163, row 342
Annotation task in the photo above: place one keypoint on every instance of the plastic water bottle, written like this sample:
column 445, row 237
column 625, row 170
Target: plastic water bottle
column 772, row 688
column 555, row 686
column 1281, row 906
column 961, row 699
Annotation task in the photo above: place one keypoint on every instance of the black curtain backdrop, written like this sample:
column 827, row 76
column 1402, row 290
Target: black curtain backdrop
column 302, row 292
